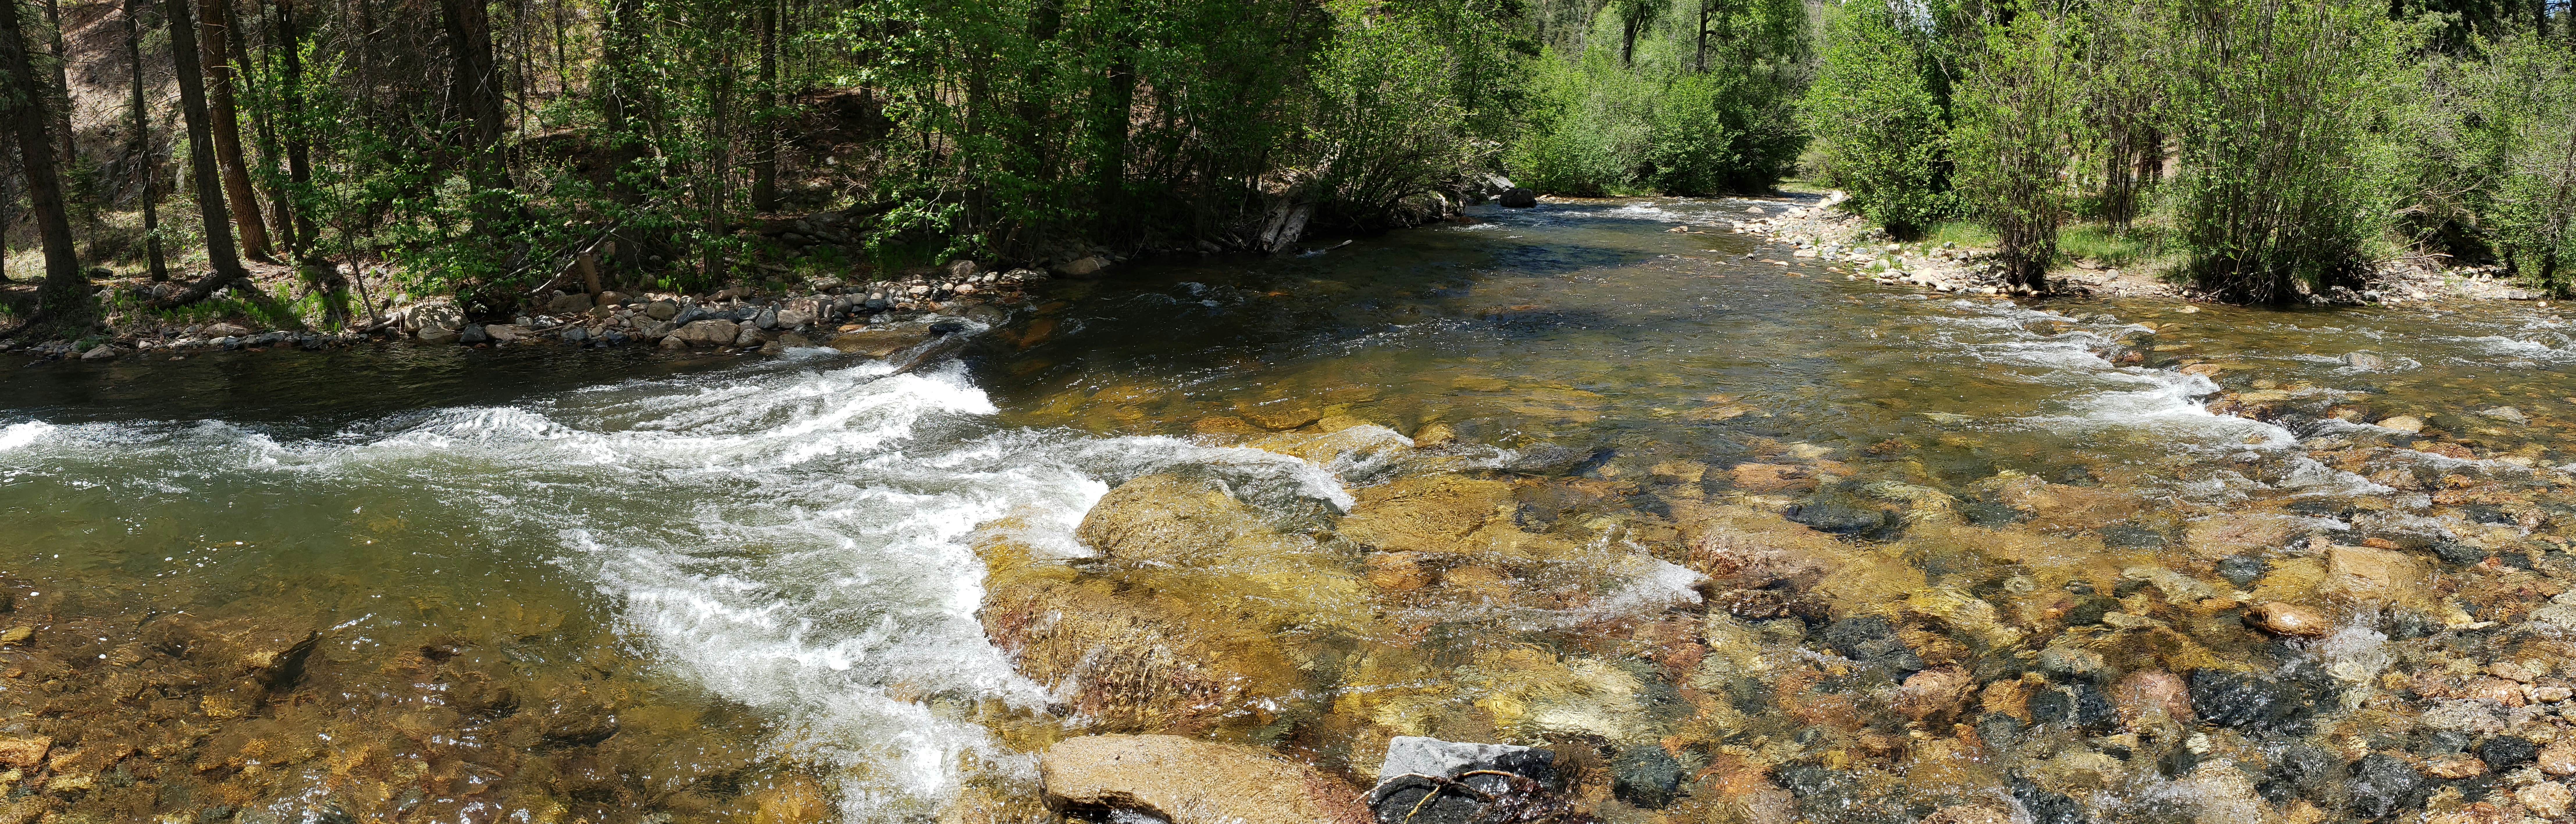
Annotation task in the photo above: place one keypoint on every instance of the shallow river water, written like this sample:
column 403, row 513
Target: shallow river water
column 555, row 584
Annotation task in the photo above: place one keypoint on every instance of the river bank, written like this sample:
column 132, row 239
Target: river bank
column 1724, row 539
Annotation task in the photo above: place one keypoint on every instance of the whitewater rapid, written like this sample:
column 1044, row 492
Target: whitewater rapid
column 794, row 536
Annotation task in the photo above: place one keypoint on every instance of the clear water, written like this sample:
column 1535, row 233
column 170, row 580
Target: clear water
column 777, row 552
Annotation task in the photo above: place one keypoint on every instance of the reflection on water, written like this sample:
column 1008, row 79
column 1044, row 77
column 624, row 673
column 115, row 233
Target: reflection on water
column 1559, row 476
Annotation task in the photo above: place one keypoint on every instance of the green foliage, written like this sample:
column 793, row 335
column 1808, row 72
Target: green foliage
column 2525, row 101
column 1590, row 133
column 1881, row 131
column 2019, row 125
column 1405, row 103
column 2106, row 244
column 2274, row 103
column 1679, row 98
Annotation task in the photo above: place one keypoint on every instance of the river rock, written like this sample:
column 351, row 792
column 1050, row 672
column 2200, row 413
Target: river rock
column 2381, row 782
column 25, row 753
column 473, row 334
column 436, row 334
column 2408, row 424
column 1365, row 444
column 707, row 333
column 1517, row 198
column 2559, row 758
column 1646, row 776
column 1187, row 781
column 567, row 304
column 1841, row 512
column 1934, row 695
column 1083, row 267
column 504, row 332
column 2371, row 574
column 878, row 343
column 662, row 310
column 2505, row 752
column 2280, row 618
column 101, row 352
column 2548, row 798
column 226, row 330
column 2237, row 699
column 1402, row 786
column 2365, row 361
column 1196, row 614
column 2454, row 766
column 2143, row 695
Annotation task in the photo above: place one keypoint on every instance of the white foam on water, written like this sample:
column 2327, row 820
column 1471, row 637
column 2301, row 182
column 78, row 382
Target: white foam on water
column 21, row 434
column 2101, row 395
column 795, row 536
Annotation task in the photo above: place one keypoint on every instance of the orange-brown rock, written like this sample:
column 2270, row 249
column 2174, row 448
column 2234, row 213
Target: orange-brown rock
column 2144, row 695
column 1934, row 695
column 2280, row 618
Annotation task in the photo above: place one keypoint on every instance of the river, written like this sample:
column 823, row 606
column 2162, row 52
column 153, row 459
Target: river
column 561, row 584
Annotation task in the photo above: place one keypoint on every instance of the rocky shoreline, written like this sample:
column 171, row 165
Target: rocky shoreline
column 875, row 318
column 1820, row 231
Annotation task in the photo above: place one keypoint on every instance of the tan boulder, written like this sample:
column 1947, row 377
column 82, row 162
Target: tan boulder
column 1280, row 414
column 1196, row 614
column 2559, row 758
column 25, row 752
column 1187, row 781
column 1425, row 513
column 708, row 333
column 1361, row 442
column 2367, row 574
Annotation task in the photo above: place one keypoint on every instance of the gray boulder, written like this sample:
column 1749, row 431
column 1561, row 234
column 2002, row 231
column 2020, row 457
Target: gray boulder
column 1518, row 198
column 1411, row 790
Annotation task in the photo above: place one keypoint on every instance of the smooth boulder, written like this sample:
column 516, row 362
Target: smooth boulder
column 1188, row 781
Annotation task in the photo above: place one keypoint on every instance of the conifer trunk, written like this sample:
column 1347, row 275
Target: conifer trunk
column 22, row 108
column 141, row 145
column 215, row 31
column 185, row 57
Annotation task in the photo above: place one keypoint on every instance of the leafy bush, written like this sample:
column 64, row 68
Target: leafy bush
column 1403, row 103
column 2019, row 125
column 1882, row 133
column 2274, row 99
column 1589, row 132
column 2526, row 105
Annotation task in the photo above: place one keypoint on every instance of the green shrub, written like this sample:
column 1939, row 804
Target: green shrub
column 2274, row 98
column 2019, row 124
column 1590, row 130
column 1882, row 133
column 2526, row 102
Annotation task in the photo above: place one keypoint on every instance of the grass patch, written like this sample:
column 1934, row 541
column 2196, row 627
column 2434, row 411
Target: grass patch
column 1963, row 232
column 2096, row 242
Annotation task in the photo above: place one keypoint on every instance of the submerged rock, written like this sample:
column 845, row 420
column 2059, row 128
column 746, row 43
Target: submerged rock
column 1187, row 781
column 2381, row 783
column 1197, row 613
column 2280, row 618
column 1646, row 776
column 2237, row 699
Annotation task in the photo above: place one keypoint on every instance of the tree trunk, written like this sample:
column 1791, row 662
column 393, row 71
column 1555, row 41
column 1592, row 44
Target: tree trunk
column 22, row 107
column 476, row 92
column 225, row 127
column 280, row 222
column 1699, row 58
column 1117, row 108
column 62, row 108
column 299, row 161
column 187, row 59
column 8, row 195
column 719, row 99
column 142, row 146
column 764, row 134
